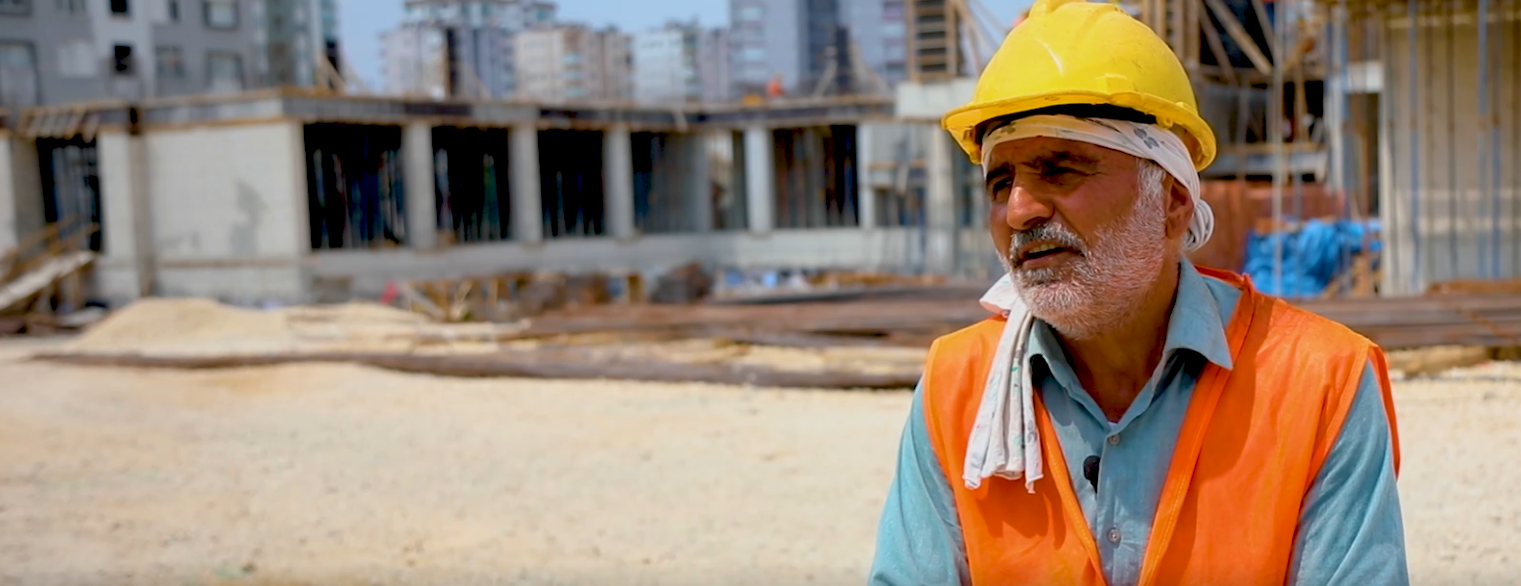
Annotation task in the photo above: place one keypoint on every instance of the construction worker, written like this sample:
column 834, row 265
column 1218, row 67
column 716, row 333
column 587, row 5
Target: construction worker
column 1124, row 417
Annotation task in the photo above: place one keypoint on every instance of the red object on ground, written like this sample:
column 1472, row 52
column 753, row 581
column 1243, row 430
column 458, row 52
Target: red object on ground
column 390, row 293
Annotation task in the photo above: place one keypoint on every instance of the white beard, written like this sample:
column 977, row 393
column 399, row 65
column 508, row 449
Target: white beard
column 1106, row 285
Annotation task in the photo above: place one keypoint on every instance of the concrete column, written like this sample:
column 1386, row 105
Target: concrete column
column 866, row 196
column 618, row 186
column 15, row 191
column 129, row 267
column 422, row 209
column 940, row 202
column 760, row 193
column 699, row 178
column 527, row 203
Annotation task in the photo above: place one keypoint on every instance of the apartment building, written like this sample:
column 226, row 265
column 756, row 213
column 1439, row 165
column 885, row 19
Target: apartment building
column 459, row 48
column 781, row 41
column 713, row 59
column 300, row 39
column 681, row 62
column 793, row 42
column 60, row 51
column 878, row 33
column 572, row 63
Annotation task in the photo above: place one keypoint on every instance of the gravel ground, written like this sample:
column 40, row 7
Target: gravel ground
column 337, row 475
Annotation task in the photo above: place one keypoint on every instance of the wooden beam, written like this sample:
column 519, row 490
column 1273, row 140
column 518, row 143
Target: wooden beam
column 1267, row 26
column 1238, row 33
column 1217, row 47
column 548, row 365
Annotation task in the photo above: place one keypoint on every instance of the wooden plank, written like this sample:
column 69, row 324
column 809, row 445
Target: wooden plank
column 1217, row 47
column 522, row 365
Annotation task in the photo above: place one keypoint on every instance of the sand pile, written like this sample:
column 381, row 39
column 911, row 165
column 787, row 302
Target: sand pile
column 199, row 327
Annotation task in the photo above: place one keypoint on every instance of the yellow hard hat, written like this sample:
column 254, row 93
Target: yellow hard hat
column 1073, row 52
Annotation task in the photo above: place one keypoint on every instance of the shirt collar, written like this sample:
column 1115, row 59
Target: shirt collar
column 1195, row 324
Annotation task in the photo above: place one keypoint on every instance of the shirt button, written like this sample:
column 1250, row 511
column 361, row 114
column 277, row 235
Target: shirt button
column 1114, row 440
column 1114, row 535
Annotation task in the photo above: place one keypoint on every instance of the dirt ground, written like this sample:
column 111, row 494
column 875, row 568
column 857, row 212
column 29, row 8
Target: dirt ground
column 341, row 475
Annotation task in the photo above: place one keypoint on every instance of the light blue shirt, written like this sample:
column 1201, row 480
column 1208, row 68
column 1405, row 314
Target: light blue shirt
column 1350, row 528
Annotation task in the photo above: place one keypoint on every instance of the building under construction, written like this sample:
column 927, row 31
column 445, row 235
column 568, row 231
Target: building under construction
column 1401, row 118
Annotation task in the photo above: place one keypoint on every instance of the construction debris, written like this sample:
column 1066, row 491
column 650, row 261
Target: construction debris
column 866, row 337
column 199, row 334
column 44, row 273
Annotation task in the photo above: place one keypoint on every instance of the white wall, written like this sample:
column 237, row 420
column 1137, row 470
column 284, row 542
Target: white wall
column 225, row 225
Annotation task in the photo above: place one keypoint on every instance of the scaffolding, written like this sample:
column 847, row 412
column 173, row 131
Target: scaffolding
column 1401, row 117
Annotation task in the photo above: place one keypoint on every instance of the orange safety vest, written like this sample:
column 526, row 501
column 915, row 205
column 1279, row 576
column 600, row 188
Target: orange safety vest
column 1251, row 444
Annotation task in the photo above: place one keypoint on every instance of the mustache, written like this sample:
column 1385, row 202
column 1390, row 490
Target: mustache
column 1047, row 232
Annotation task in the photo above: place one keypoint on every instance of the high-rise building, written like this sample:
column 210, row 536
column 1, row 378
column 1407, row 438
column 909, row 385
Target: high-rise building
column 681, row 62
column 713, row 65
column 463, row 48
column 617, row 64
column 878, row 34
column 300, row 40
column 783, row 42
column 571, row 63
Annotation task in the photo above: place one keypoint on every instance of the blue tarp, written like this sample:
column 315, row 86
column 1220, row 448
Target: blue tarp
column 1313, row 255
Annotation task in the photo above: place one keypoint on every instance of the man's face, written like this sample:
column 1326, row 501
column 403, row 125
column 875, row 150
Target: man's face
column 1083, row 237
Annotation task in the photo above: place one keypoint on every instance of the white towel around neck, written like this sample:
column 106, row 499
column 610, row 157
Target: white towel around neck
column 1004, row 441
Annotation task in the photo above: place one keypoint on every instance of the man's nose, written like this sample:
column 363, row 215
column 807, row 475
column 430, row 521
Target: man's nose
column 1027, row 209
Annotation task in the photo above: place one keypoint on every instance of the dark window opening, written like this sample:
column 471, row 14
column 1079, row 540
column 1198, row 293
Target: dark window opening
column 570, row 176
column 121, row 7
column 70, row 172
column 122, row 59
column 472, row 184
column 815, row 177
column 355, row 187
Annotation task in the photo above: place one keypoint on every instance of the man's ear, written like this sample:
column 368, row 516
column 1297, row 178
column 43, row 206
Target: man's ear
column 1180, row 207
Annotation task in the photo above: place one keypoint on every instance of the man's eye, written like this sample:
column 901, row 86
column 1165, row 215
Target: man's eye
column 1000, row 189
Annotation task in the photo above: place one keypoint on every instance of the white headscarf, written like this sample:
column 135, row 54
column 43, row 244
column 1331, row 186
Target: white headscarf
column 1004, row 441
column 1142, row 141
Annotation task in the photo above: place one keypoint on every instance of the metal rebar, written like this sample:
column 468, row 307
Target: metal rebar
column 1415, row 149
column 1515, row 140
column 1493, row 123
column 1275, row 134
column 1483, row 161
column 1343, row 105
column 1452, row 133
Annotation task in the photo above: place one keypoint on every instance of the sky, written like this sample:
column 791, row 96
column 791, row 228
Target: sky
column 362, row 21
